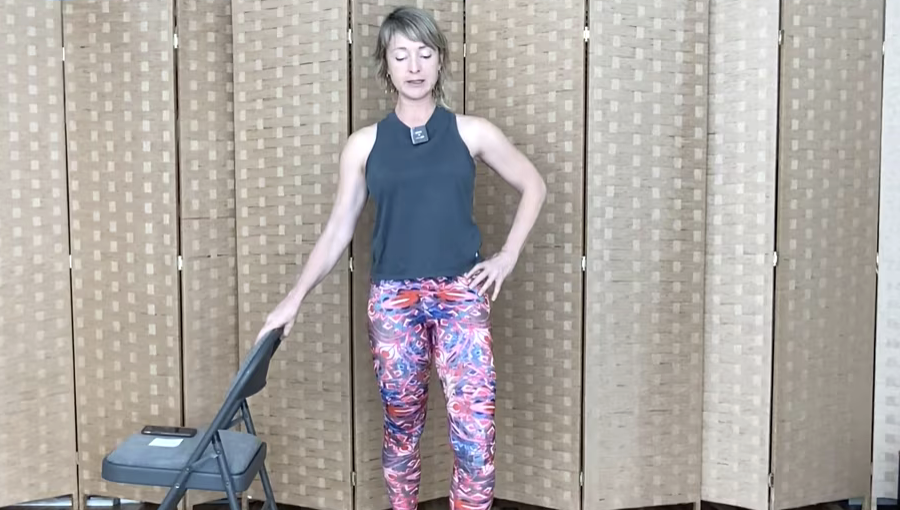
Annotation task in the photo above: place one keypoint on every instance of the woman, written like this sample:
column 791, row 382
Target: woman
column 429, row 290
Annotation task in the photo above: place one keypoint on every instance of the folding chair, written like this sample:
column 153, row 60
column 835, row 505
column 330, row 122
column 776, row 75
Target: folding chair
column 215, row 458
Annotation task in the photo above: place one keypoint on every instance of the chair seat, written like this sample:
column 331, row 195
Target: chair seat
column 137, row 461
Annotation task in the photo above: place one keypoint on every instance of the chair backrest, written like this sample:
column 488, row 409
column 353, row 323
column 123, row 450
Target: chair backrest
column 250, row 378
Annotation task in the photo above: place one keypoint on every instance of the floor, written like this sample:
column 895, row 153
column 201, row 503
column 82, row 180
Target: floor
column 256, row 505
column 431, row 505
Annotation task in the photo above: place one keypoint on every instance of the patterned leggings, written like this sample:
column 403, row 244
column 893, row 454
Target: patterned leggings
column 409, row 322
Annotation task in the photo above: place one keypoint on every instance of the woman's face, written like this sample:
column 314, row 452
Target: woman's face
column 413, row 67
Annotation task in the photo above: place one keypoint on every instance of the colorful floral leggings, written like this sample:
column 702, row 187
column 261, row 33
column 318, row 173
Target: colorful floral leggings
column 411, row 322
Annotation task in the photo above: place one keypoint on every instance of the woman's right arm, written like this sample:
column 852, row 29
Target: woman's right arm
column 349, row 202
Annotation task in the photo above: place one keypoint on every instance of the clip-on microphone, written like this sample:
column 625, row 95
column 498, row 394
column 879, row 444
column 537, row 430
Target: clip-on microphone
column 418, row 135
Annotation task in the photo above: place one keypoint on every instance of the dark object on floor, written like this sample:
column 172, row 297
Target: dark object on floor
column 216, row 458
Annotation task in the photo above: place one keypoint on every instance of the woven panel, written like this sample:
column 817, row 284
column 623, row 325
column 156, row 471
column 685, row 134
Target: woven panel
column 37, row 422
column 290, row 123
column 120, row 108
column 207, row 200
column 827, row 238
column 370, row 104
column 525, row 73
column 743, row 103
column 645, row 263
column 209, row 274
column 887, row 358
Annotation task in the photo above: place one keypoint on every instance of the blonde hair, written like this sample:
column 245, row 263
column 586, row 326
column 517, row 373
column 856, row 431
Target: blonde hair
column 417, row 25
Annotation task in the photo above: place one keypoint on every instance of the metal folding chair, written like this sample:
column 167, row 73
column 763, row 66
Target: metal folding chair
column 214, row 459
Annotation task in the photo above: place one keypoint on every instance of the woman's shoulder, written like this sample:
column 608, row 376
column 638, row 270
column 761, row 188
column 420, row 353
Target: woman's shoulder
column 475, row 125
column 363, row 137
column 475, row 130
column 468, row 122
column 360, row 143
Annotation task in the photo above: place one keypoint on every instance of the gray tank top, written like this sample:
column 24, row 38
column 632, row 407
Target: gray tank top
column 423, row 195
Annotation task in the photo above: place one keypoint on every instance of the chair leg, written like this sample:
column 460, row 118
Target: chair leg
column 267, row 488
column 263, row 474
column 173, row 497
column 248, row 420
column 225, row 472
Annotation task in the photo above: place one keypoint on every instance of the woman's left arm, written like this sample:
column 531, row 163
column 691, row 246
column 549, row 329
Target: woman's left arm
column 494, row 149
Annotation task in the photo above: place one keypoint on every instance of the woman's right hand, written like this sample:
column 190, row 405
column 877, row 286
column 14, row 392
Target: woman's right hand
column 284, row 315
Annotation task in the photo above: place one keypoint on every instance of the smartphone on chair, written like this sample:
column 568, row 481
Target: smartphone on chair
column 159, row 430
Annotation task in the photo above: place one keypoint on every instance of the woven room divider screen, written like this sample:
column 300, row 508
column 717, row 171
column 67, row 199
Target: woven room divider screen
column 290, row 116
column 740, row 236
column 645, row 245
column 650, row 347
column 207, row 208
column 886, row 461
column 37, row 389
column 123, row 224
column 827, row 236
